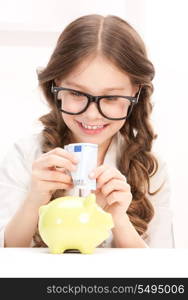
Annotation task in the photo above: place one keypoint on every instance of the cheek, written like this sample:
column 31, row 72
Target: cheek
column 114, row 127
column 117, row 125
column 68, row 119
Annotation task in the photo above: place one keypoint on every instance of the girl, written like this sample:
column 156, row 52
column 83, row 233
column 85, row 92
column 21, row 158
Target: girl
column 98, row 84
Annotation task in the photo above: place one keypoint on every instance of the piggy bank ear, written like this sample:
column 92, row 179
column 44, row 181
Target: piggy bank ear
column 90, row 200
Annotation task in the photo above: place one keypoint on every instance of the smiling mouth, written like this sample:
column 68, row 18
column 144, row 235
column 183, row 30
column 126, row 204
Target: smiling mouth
column 91, row 128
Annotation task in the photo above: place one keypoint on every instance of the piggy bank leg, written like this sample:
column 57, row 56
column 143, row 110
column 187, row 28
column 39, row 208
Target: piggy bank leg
column 56, row 250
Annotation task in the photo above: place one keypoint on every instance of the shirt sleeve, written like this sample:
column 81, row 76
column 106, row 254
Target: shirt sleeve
column 15, row 176
column 160, row 229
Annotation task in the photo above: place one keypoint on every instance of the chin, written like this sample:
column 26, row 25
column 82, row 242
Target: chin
column 92, row 140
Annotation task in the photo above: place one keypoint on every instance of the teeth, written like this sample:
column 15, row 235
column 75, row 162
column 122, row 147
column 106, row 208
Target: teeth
column 92, row 127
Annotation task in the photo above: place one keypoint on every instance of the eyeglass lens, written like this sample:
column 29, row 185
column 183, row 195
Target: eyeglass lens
column 113, row 107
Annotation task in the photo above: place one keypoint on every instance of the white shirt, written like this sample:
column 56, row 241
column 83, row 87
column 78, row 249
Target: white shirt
column 15, row 177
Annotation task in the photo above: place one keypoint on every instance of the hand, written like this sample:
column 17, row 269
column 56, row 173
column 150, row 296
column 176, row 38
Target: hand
column 113, row 190
column 49, row 174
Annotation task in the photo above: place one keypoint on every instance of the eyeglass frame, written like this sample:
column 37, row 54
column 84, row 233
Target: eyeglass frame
column 95, row 99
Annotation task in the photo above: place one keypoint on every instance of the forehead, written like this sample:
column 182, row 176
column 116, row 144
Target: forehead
column 98, row 74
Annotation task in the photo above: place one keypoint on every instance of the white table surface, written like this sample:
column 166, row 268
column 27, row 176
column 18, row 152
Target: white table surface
column 104, row 262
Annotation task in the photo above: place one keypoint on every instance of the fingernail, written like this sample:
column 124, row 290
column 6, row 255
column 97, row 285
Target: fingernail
column 76, row 160
column 111, row 202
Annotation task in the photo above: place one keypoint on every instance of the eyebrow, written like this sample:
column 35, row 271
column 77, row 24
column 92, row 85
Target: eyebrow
column 85, row 88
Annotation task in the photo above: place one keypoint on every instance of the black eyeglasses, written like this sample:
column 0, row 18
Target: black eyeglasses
column 112, row 107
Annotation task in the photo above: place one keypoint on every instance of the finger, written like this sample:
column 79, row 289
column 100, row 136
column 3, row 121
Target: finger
column 108, row 174
column 59, row 169
column 122, row 198
column 101, row 169
column 115, row 185
column 53, row 176
column 54, row 160
column 63, row 153
column 47, row 186
column 97, row 171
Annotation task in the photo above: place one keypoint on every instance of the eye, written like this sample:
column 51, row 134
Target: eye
column 72, row 93
column 112, row 98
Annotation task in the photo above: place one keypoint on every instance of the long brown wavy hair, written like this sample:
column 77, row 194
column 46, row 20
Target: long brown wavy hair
column 114, row 39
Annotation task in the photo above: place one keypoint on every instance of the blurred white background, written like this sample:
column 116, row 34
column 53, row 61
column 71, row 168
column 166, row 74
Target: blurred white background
column 28, row 33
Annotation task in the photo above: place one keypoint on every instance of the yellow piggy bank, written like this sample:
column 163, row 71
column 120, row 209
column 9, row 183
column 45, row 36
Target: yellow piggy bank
column 74, row 223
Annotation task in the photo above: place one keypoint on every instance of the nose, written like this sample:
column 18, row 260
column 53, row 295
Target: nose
column 92, row 112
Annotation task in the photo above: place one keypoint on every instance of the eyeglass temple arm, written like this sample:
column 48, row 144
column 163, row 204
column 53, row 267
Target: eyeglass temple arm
column 139, row 91
column 52, row 87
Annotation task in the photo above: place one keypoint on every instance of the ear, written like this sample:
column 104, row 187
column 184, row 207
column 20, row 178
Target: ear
column 57, row 82
column 137, row 90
